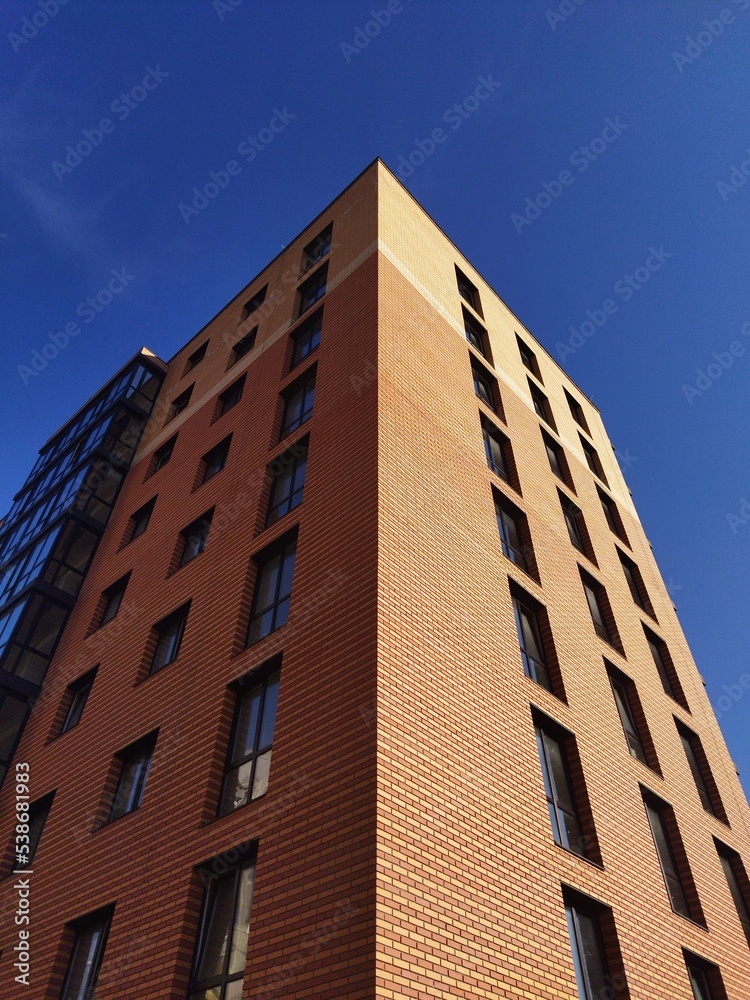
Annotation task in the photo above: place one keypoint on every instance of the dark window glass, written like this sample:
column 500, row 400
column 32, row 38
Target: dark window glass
column 574, row 522
column 705, row 978
column 592, row 459
column 162, row 455
column 231, row 396
column 195, row 537
column 169, row 634
column 249, row 758
column 625, row 710
column 659, row 814
column 497, row 450
column 530, row 641
column 221, row 949
column 242, row 347
column 313, row 289
column 25, row 844
column 635, row 584
column 528, row 358
column 577, row 411
column 612, row 515
column 468, row 291
column 307, row 338
column 79, row 694
column 590, row 962
column 180, row 403
column 317, row 249
column 288, row 486
column 273, row 591
column 558, row 787
column 86, row 957
column 485, row 386
column 195, row 358
column 135, row 763
column 665, row 668
column 215, row 460
column 738, row 884
column 557, row 461
column 139, row 520
column 701, row 772
column 596, row 599
column 298, row 405
column 113, row 599
column 541, row 405
column 254, row 303
column 514, row 533
column 475, row 334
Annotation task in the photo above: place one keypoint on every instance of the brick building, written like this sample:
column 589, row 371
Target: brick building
column 364, row 525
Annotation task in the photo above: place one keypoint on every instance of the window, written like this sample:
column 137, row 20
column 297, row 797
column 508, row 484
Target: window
column 193, row 539
column 577, row 411
column 306, row 338
column 631, row 715
column 601, row 613
column 162, row 455
column 593, row 941
column 499, row 453
column 558, row 756
column 298, row 403
column 273, row 590
column 78, row 693
column 612, row 515
column 701, row 772
column 288, row 485
column 537, row 653
column 180, row 403
column 242, row 347
column 486, row 387
column 476, row 334
column 221, row 948
column 249, row 757
column 139, row 521
column 515, row 538
column 592, row 459
column 705, row 978
column 111, row 600
column 468, row 292
column 195, row 358
column 254, row 303
column 557, row 460
column 541, row 405
column 317, row 249
column 635, row 584
column 576, row 526
column 665, row 668
column 214, row 461
column 168, row 634
column 529, row 359
column 87, row 954
column 25, row 849
column 672, row 858
column 313, row 289
column 230, row 397
column 738, row 883
column 134, row 763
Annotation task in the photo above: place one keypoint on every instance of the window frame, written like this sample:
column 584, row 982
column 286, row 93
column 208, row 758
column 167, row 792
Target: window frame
column 507, row 470
column 576, row 411
column 308, row 334
column 609, row 971
column 254, row 303
column 144, row 511
column 177, row 618
column 297, row 456
column 242, row 347
column 163, row 455
column 317, row 248
column 527, row 608
column 304, row 387
column 700, row 770
column 221, row 448
column 515, row 535
column 99, row 921
column 82, row 685
column 540, row 402
column 632, row 718
column 179, row 404
column 196, row 534
column 317, row 282
column 224, row 397
column 636, row 586
column 600, row 610
column 593, row 461
column 560, row 468
column 113, row 593
column 673, row 862
column 738, row 883
column 195, row 358
column 468, row 291
column 665, row 667
column 704, row 975
column 529, row 359
column 476, row 334
column 284, row 549
column 141, row 754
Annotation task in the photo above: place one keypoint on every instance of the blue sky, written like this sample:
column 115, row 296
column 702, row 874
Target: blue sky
column 617, row 136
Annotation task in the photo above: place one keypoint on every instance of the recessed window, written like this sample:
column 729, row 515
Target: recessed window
column 541, row 404
column 596, row 953
column 317, row 249
column 87, row 954
column 499, row 453
column 627, row 702
column 77, row 696
column 298, row 403
column 476, row 334
column 306, row 338
column 673, row 860
column 636, row 585
column 111, row 600
column 705, row 978
column 168, row 635
column 242, row 347
column 737, row 882
column 612, row 514
column 230, row 397
column 665, row 668
column 214, row 461
column 139, row 521
column 133, row 764
column 700, row 769
column 535, row 641
column 515, row 538
column 577, row 411
column 528, row 359
column 592, row 459
column 163, row 454
column 313, row 289
column 249, row 758
column 180, row 403
column 221, row 948
column 601, row 612
column 576, row 525
column 486, row 387
column 273, row 589
column 558, row 757
column 254, row 303
column 24, row 850
column 288, row 485
column 195, row 358
column 468, row 292
column 557, row 460
column 194, row 538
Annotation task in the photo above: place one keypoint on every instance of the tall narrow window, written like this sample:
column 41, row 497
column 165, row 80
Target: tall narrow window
column 313, row 289
column 24, row 850
column 168, row 633
column 162, row 455
column 557, row 752
column 288, row 486
column 230, row 397
column 699, row 768
column 77, row 695
column 306, row 338
column 515, row 538
column 486, row 387
column 254, row 303
column 665, row 668
column 180, row 403
column 541, row 405
column 577, row 411
column 635, row 584
column 476, row 334
column 317, row 249
column 195, row 358
column 194, row 538
column 737, row 881
column 629, row 709
column 468, row 292
column 139, row 521
column 273, row 590
column 221, row 948
column 111, row 600
column 214, row 461
column 87, row 954
column 528, row 359
column 537, row 653
column 601, row 613
column 593, row 942
column 557, row 460
column 249, row 757
column 705, row 978
column 576, row 525
column 242, row 347
column 134, row 763
column 612, row 515
column 298, row 403
column 592, row 459
column 499, row 452
column 672, row 858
